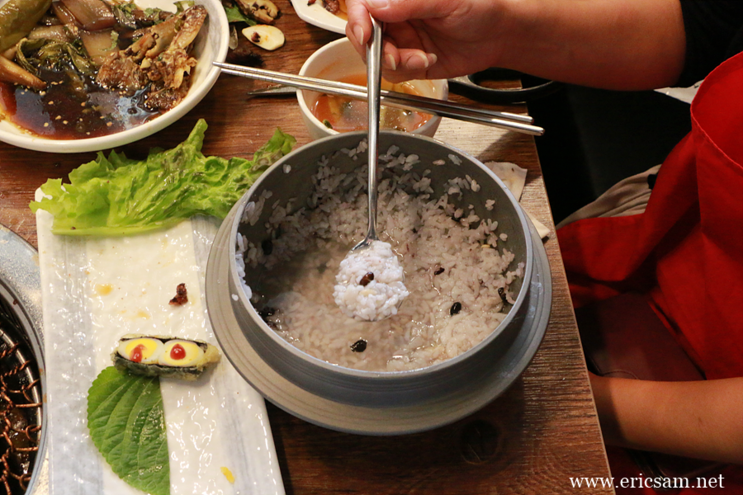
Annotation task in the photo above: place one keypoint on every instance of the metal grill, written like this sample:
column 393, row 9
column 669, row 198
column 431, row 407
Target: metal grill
column 20, row 405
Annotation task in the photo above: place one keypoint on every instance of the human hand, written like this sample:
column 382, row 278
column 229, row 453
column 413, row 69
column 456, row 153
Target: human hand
column 588, row 43
column 429, row 39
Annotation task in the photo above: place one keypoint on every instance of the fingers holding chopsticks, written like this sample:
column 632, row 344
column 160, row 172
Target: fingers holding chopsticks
column 411, row 62
column 432, row 39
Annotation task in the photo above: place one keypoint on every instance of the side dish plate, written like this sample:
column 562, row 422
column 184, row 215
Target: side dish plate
column 95, row 290
column 316, row 15
column 211, row 46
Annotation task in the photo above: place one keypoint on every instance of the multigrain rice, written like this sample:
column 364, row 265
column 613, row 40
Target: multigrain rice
column 454, row 267
column 370, row 282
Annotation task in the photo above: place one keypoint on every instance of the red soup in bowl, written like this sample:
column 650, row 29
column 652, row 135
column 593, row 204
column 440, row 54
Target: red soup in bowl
column 345, row 114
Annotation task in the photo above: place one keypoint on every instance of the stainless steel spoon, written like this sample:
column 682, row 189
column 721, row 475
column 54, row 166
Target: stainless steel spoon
column 373, row 82
column 371, row 251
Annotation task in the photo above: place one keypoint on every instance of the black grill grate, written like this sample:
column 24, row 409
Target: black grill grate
column 20, row 405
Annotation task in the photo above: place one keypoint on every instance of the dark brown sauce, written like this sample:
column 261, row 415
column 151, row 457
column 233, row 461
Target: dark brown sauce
column 63, row 112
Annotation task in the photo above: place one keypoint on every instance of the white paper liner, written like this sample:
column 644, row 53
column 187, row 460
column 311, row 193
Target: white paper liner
column 514, row 177
column 96, row 290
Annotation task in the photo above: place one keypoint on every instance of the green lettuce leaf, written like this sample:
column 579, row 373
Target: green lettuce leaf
column 127, row 425
column 234, row 15
column 121, row 196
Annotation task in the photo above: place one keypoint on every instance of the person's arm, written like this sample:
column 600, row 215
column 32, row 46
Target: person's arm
column 612, row 44
column 699, row 419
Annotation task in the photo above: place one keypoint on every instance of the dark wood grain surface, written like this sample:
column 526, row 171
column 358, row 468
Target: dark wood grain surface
column 541, row 432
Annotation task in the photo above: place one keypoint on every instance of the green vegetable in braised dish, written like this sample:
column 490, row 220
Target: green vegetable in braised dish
column 127, row 424
column 234, row 15
column 18, row 18
column 121, row 196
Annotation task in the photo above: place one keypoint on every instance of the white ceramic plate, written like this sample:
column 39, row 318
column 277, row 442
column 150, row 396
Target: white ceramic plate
column 211, row 46
column 316, row 15
column 94, row 291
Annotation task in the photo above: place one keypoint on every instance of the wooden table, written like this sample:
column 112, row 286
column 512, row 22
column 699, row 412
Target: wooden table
column 533, row 439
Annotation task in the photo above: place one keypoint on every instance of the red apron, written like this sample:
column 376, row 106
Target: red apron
column 686, row 250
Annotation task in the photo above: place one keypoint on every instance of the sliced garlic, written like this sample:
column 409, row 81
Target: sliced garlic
column 233, row 38
column 267, row 37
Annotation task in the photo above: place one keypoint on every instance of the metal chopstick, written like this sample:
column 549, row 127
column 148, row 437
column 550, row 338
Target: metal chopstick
column 393, row 98
column 515, row 122
column 397, row 96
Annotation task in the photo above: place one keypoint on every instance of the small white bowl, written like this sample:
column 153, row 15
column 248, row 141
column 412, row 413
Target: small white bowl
column 338, row 59
column 211, row 46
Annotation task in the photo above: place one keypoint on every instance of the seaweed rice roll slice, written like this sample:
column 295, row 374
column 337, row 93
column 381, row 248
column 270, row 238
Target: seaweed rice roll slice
column 164, row 356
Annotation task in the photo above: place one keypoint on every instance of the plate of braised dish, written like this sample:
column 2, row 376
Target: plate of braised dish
column 327, row 14
column 88, row 75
